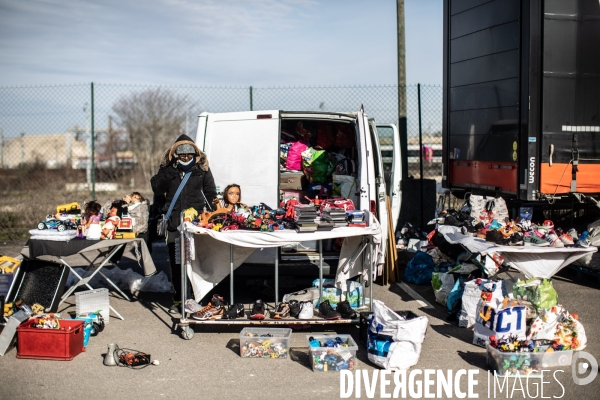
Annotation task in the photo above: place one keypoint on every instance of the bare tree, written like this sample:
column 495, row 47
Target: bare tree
column 153, row 119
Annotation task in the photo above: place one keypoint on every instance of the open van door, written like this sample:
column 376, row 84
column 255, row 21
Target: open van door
column 375, row 179
column 389, row 143
column 235, row 144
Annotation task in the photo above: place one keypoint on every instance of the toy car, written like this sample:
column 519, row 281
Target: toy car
column 58, row 224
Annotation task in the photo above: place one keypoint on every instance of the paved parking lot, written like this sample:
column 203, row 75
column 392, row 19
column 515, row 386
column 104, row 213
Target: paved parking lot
column 209, row 365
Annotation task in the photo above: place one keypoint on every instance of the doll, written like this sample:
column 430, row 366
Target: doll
column 112, row 222
column 137, row 208
column 232, row 198
column 91, row 229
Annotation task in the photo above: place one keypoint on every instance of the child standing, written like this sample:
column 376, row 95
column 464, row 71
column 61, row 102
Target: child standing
column 92, row 217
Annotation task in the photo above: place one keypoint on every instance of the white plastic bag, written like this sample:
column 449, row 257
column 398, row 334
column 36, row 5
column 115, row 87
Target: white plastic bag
column 557, row 323
column 442, row 283
column 470, row 300
column 394, row 342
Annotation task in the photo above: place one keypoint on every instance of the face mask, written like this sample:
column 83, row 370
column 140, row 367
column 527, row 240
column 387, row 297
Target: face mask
column 185, row 163
column 185, row 166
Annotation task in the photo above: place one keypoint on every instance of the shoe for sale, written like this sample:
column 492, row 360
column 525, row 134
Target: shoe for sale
column 567, row 239
column 235, row 311
column 535, row 240
column 328, row 312
column 493, row 236
column 174, row 309
column 516, row 239
column 282, row 311
column 294, row 308
column 192, row 306
column 548, row 224
column 345, row 310
column 583, row 240
column 307, row 310
column 554, row 240
column 573, row 233
column 213, row 310
column 258, row 310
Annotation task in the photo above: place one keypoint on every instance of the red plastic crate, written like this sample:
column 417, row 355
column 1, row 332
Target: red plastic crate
column 50, row 344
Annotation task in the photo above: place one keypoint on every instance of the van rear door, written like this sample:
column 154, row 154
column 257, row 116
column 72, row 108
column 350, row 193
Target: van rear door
column 389, row 143
column 240, row 148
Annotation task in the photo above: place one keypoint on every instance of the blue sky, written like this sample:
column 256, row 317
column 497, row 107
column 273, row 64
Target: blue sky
column 217, row 42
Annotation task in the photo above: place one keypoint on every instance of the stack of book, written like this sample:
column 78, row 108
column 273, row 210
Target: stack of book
column 324, row 225
column 306, row 218
column 336, row 216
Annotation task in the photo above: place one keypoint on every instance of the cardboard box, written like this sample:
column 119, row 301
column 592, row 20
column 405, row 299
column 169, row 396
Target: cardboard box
column 290, row 180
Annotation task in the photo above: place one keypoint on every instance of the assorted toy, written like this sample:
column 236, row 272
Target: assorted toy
column 259, row 346
column 331, row 354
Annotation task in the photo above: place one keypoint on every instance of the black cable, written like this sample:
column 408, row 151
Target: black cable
column 130, row 358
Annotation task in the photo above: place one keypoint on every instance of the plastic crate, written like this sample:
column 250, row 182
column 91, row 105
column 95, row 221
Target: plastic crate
column 332, row 359
column 50, row 344
column 265, row 342
column 526, row 363
column 92, row 301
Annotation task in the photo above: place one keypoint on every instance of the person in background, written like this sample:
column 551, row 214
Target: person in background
column 199, row 192
column 137, row 208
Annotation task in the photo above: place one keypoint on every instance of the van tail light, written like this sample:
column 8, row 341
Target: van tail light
column 373, row 206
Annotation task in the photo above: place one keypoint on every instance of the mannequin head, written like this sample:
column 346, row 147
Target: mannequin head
column 232, row 194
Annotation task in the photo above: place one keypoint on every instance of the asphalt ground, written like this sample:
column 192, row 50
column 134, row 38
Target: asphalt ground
column 209, row 365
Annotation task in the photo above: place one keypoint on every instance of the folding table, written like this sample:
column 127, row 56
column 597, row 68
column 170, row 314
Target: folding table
column 96, row 253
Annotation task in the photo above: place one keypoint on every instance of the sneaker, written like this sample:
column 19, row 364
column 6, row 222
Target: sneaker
column 567, row 239
column 214, row 309
column 345, row 310
column 174, row 309
column 493, row 236
column 192, row 306
column 535, row 240
column 258, row 310
column 235, row 311
column 282, row 311
column 294, row 308
column 583, row 240
column 553, row 240
column 327, row 311
column 548, row 224
column 516, row 239
column 307, row 310
column 573, row 233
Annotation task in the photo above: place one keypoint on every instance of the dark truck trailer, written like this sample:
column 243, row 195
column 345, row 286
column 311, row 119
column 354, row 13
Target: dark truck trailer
column 522, row 98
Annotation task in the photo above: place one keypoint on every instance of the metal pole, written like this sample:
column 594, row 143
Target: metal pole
column 2, row 149
column 420, row 156
column 251, row 100
column 231, row 274
column 93, row 139
column 402, row 87
column 183, row 261
column 320, row 270
column 276, row 275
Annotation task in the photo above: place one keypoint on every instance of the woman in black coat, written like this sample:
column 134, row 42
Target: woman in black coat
column 199, row 192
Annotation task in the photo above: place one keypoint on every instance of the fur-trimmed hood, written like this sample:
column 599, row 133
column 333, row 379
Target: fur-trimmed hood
column 201, row 158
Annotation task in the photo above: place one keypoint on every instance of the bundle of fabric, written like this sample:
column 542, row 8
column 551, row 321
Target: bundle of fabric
column 52, row 234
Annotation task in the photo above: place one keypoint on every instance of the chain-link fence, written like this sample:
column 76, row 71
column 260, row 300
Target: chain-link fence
column 48, row 157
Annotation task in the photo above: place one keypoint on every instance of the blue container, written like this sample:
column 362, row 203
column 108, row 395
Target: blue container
column 87, row 328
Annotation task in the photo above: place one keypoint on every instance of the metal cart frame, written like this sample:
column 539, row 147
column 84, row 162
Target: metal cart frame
column 185, row 324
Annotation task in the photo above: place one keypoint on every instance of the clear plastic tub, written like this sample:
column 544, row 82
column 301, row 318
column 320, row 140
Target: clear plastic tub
column 91, row 301
column 332, row 359
column 526, row 363
column 265, row 342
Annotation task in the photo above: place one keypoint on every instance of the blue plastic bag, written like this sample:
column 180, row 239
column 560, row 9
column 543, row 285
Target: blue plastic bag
column 419, row 269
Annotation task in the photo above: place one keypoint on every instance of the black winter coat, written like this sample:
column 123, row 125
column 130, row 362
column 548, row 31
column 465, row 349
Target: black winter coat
column 166, row 182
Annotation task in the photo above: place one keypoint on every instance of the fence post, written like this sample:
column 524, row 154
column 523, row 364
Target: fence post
column 251, row 100
column 420, row 152
column 93, row 139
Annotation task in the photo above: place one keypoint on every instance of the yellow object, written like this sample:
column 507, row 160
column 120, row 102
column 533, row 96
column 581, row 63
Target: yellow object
column 69, row 208
column 8, row 264
column 190, row 214
column 125, row 235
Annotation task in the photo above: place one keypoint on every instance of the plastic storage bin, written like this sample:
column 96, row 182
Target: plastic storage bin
column 526, row 363
column 50, row 344
column 91, row 301
column 265, row 342
column 331, row 359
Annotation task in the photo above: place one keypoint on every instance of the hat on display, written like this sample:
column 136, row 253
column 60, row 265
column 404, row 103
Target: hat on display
column 185, row 149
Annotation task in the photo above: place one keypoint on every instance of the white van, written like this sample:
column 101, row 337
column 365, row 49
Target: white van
column 244, row 148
